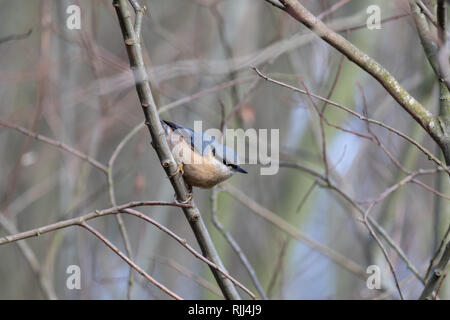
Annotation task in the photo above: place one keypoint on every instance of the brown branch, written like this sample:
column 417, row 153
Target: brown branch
column 385, row 253
column 323, row 138
column 184, row 243
column 330, row 185
column 202, row 93
column 234, row 245
column 45, row 284
column 55, row 143
column 91, row 215
column 112, row 197
column 438, row 252
column 412, row 106
column 277, row 271
column 332, row 9
column 428, row 153
column 273, row 218
column 126, row 208
column 189, row 274
column 16, row 36
column 127, row 260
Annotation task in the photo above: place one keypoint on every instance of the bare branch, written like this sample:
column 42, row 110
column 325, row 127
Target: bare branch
column 75, row 221
column 127, row 260
column 344, row 262
column 16, row 36
column 428, row 153
column 55, row 143
column 45, row 284
column 411, row 105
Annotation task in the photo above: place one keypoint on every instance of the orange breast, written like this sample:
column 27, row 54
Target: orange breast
column 199, row 171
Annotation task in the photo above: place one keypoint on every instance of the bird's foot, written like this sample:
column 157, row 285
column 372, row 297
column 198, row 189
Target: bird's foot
column 179, row 169
column 189, row 197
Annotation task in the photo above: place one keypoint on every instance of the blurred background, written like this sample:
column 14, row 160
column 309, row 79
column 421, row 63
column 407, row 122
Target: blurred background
column 74, row 86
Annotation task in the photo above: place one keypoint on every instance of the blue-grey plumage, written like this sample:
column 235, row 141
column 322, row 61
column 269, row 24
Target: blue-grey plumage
column 204, row 161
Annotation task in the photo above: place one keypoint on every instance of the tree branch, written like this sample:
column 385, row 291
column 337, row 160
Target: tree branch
column 45, row 284
column 428, row 153
column 412, row 106
column 134, row 51
column 126, row 208
column 127, row 260
column 234, row 245
column 437, row 275
column 55, row 143
column 273, row 218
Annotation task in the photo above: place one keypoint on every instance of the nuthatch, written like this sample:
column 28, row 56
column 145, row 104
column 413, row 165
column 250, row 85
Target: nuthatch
column 202, row 160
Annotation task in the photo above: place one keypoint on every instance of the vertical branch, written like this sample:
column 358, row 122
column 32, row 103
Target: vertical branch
column 431, row 46
column 134, row 51
column 112, row 197
column 444, row 92
column 437, row 275
column 105, row 104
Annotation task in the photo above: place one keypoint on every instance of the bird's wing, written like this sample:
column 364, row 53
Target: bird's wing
column 199, row 141
column 205, row 144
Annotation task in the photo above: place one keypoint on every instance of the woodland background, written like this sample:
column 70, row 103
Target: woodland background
column 74, row 86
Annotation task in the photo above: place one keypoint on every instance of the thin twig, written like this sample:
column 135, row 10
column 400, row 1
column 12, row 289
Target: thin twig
column 16, row 36
column 438, row 252
column 275, row 219
column 237, row 249
column 360, row 58
column 126, row 208
column 112, row 197
column 430, row 155
column 184, row 243
column 189, row 274
column 437, row 274
column 55, row 143
column 202, row 93
column 386, row 255
column 332, row 9
column 278, row 266
column 329, row 184
column 427, row 12
column 127, row 260
column 91, row 215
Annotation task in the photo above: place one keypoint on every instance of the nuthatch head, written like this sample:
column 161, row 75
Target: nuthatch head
column 203, row 161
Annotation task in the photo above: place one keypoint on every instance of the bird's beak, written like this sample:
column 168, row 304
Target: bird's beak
column 239, row 169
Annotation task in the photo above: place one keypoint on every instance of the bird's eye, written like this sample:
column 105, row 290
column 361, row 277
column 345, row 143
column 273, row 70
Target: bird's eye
column 231, row 165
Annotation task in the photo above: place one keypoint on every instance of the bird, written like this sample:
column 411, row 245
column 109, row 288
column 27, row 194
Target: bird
column 203, row 161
